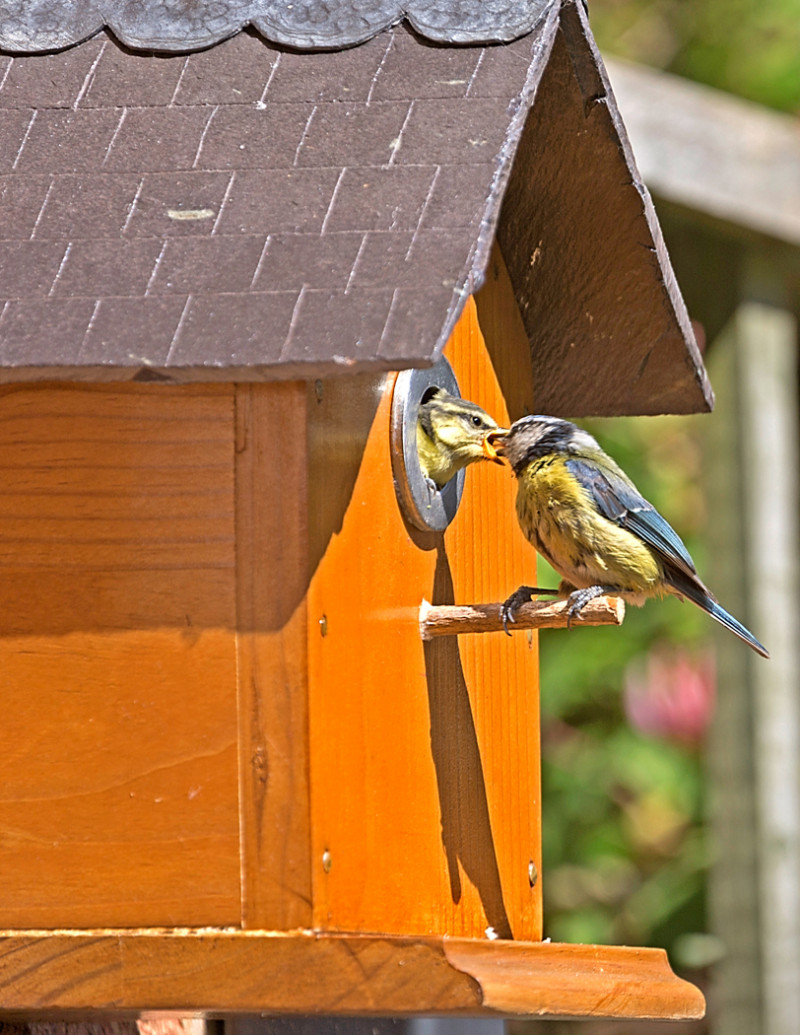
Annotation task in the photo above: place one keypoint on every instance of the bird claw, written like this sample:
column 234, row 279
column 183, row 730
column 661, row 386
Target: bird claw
column 579, row 598
column 521, row 596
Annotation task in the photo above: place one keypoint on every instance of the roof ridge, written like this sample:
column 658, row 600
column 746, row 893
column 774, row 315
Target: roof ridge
column 304, row 24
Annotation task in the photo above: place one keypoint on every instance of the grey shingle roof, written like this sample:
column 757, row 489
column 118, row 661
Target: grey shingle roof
column 36, row 25
column 250, row 211
column 245, row 205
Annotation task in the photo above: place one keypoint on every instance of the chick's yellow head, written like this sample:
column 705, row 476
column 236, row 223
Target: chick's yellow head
column 450, row 434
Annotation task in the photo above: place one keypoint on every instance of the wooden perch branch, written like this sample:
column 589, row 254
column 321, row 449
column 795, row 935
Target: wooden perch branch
column 451, row 619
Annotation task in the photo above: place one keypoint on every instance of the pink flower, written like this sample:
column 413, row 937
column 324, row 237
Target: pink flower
column 671, row 695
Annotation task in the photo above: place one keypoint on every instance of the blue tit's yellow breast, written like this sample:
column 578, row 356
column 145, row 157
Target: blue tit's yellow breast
column 560, row 518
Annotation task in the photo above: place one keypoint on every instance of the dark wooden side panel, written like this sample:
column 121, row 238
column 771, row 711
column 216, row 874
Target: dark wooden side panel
column 272, row 576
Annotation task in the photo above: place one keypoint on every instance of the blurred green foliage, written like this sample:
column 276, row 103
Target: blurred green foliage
column 748, row 47
column 625, row 851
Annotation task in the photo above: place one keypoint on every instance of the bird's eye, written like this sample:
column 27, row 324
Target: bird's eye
column 476, row 421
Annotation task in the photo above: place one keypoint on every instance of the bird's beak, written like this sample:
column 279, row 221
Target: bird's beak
column 493, row 445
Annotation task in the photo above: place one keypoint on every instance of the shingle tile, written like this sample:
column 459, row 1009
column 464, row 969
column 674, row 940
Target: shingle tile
column 351, row 134
column 381, row 199
column 44, row 333
column 279, row 200
column 415, row 69
column 234, row 73
column 13, row 127
column 339, row 75
column 50, row 80
column 94, row 205
column 454, row 132
column 220, row 330
column 28, row 268
column 502, row 70
column 427, row 260
column 132, row 330
column 252, row 138
column 79, row 139
column 21, row 200
column 292, row 260
column 106, row 267
column 413, row 315
column 122, row 77
column 459, row 196
column 346, row 328
column 191, row 265
column 179, row 204
column 161, row 139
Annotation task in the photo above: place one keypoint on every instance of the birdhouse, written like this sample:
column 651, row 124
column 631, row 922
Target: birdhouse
column 237, row 774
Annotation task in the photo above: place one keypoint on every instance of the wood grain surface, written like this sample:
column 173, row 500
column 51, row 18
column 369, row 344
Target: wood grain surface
column 118, row 784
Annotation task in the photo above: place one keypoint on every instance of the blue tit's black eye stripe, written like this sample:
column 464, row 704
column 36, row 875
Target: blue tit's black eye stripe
column 555, row 440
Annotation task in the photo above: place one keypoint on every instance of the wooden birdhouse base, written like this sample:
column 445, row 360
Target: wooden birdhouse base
column 223, row 972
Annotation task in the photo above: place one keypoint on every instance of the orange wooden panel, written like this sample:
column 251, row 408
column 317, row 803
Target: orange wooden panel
column 118, row 760
column 506, row 338
column 424, row 760
column 272, row 579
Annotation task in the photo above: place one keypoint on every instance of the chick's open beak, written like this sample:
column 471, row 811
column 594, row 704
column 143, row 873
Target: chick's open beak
column 493, row 445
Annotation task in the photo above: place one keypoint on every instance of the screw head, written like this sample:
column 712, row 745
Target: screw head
column 533, row 873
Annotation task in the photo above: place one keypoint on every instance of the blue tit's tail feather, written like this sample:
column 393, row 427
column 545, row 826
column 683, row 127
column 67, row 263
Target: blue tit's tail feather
column 698, row 595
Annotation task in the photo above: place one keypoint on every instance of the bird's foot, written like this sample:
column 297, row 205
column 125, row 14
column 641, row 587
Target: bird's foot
column 521, row 596
column 579, row 598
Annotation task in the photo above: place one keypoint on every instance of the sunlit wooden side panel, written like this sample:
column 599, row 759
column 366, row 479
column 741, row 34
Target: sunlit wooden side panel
column 424, row 758
column 118, row 781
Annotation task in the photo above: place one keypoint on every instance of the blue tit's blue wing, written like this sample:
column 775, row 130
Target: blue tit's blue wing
column 618, row 500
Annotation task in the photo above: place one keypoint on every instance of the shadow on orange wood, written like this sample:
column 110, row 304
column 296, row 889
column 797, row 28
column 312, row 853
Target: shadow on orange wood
column 466, row 828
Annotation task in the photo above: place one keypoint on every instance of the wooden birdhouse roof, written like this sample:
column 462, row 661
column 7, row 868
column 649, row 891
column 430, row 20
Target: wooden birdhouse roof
column 199, row 191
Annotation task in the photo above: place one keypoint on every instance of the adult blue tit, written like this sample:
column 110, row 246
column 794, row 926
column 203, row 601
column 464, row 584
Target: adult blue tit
column 450, row 434
column 589, row 521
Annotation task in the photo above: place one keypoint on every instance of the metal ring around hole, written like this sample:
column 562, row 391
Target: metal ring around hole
column 426, row 507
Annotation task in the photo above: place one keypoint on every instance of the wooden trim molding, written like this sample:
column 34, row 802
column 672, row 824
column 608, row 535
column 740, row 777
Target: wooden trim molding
column 118, row 972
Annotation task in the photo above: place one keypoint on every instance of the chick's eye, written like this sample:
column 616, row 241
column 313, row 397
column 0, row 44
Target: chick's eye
column 476, row 421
